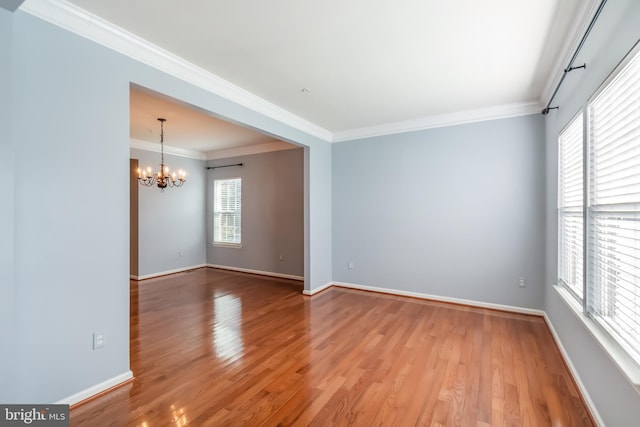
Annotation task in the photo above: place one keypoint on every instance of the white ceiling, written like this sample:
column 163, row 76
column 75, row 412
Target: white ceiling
column 368, row 64
column 186, row 127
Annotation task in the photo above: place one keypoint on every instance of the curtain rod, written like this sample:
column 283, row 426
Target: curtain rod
column 223, row 166
column 570, row 67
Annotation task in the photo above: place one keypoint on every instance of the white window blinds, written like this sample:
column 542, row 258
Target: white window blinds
column 571, row 207
column 613, row 281
column 227, row 194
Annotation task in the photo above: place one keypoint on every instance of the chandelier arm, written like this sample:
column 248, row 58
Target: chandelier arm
column 162, row 179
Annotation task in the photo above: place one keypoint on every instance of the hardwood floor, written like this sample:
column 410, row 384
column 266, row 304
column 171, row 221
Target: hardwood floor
column 217, row 348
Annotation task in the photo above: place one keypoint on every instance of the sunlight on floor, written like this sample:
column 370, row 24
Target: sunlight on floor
column 227, row 330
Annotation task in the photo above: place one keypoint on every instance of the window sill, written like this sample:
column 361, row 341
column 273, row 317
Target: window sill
column 227, row 245
column 616, row 353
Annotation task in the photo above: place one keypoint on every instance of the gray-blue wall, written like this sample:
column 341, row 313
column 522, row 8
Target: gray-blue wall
column 456, row 211
column 7, row 203
column 173, row 221
column 317, row 225
column 272, row 212
column 70, row 121
column 616, row 31
column 71, row 224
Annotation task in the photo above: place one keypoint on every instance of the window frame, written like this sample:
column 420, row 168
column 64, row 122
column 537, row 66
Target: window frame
column 226, row 243
column 581, row 117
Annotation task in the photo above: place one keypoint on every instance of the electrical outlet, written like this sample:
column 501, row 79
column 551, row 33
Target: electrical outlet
column 180, row 253
column 98, row 340
column 350, row 265
column 281, row 257
column 522, row 283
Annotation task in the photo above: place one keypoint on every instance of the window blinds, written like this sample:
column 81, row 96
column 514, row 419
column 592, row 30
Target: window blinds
column 227, row 194
column 571, row 207
column 614, row 208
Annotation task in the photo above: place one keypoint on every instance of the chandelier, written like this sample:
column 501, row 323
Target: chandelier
column 162, row 178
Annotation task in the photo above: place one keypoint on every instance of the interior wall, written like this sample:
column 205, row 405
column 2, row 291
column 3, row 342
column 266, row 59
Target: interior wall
column 318, row 230
column 133, row 217
column 7, row 290
column 272, row 212
column 71, row 270
column 71, row 230
column 614, row 34
column 171, row 229
column 454, row 212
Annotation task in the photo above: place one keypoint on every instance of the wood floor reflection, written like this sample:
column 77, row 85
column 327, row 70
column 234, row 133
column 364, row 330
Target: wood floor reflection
column 218, row 348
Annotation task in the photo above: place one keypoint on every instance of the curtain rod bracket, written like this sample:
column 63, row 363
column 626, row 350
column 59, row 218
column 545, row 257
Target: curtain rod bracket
column 546, row 110
column 566, row 70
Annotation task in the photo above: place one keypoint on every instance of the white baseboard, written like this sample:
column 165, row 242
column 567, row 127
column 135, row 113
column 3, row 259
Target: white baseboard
column 574, row 373
column 98, row 388
column 480, row 304
column 262, row 273
column 318, row 289
column 165, row 273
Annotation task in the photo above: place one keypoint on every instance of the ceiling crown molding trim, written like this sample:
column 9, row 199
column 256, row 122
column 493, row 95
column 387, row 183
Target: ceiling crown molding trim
column 441, row 120
column 174, row 151
column 579, row 27
column 249, row 150
column 76, row 20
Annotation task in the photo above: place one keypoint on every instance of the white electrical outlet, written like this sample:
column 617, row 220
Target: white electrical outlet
column 98, row 340
column 181, row 253
column 281, row 257
column 350, row 265
column 522, row 283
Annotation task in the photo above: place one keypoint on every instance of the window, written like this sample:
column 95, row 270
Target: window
column 611, row 251
column 227, row 195
column 614, row 207
column 571, row 207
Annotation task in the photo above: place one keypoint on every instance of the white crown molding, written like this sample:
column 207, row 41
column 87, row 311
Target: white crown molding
column 249, row 150
column 579, row 27
column 174, row 151
column 441, row 120
column 72, row 18
column 215, row 154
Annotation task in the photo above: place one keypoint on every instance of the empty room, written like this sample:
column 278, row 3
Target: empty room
column 320, row 213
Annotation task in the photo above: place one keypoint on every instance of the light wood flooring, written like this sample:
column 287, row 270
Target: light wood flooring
column 218, row 348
